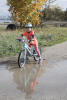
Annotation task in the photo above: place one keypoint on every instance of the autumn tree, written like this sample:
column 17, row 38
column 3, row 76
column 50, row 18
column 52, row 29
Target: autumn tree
column 25, row 11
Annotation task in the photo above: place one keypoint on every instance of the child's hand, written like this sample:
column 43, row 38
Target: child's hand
column 29, row 41
column 18, row 38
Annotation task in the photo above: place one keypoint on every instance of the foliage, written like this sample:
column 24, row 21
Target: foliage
column 25, row 11
column 65, row 15
column 54, row 14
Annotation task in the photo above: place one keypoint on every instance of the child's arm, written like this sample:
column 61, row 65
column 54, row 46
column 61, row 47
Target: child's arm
column 31, row 39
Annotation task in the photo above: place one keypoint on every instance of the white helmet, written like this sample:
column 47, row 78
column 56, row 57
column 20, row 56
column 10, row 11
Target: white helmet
column 28, row 25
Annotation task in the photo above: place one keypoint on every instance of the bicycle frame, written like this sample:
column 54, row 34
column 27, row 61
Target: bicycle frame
column 27, row 48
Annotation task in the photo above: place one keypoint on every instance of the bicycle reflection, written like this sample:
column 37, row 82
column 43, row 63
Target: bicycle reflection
column 26, row 79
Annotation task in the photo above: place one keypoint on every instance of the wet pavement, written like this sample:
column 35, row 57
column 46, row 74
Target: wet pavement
column 34, row 81
column 47, row 81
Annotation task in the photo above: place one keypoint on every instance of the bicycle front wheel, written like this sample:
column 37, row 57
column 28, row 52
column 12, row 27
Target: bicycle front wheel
column 22, row 58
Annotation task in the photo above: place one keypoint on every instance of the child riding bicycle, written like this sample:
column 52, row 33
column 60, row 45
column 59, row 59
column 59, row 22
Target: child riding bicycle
column 32, row 41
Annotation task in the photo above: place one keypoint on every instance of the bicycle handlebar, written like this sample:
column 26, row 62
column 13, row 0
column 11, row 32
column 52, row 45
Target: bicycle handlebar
column 22, row 39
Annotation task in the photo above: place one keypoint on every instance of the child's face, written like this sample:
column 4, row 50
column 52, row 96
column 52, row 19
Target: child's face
column 29, row 29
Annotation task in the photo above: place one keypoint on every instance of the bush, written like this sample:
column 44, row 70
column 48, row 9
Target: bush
column 11, row 27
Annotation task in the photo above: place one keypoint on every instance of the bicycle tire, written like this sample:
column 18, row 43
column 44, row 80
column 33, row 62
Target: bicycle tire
column 21, row 60
column 36, row 58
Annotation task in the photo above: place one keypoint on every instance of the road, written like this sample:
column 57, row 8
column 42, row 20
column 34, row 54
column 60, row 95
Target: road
column 47, row 81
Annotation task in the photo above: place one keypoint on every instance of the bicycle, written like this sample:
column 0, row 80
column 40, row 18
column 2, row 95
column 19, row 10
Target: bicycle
column 22, row 58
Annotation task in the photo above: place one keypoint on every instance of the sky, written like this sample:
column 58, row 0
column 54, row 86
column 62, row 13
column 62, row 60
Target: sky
column 61, row 3
column 4, row 8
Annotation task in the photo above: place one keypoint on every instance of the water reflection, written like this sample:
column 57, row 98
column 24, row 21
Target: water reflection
column 32, row 82
column 26, row 78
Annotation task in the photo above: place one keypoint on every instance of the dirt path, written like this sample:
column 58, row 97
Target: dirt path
column 56, row 53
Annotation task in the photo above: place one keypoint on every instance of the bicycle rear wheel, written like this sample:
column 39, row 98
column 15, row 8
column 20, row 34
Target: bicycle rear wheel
column 36, row 58
column 21, row 58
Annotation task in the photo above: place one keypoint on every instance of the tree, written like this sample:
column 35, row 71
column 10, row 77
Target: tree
column 65, row 14
column 25, row 11
column 49, row 2
column 58, row 14
column 53, row 14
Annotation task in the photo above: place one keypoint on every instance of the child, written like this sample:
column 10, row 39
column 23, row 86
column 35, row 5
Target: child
column 29, row 34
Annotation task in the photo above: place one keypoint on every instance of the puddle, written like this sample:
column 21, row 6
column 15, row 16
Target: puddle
column 2, row 67
column 54, row 80
column 34, row 82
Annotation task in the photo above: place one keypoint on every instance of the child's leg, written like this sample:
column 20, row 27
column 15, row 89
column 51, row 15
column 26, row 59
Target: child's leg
column 37, row 50
column 35, row 44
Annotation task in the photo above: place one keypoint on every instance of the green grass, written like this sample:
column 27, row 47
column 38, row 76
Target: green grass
column 46, row 36
column 8, row 43
column 51, row 35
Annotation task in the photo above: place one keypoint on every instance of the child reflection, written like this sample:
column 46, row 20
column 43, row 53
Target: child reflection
column 26, row 79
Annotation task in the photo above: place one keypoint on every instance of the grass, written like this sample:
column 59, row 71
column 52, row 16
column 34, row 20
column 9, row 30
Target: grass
column 46, row 36
column 51, row 35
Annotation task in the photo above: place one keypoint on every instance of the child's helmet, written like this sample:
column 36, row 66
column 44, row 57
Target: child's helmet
column 29, row 25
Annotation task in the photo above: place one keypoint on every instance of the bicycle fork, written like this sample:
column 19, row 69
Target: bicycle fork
column 25, row 56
